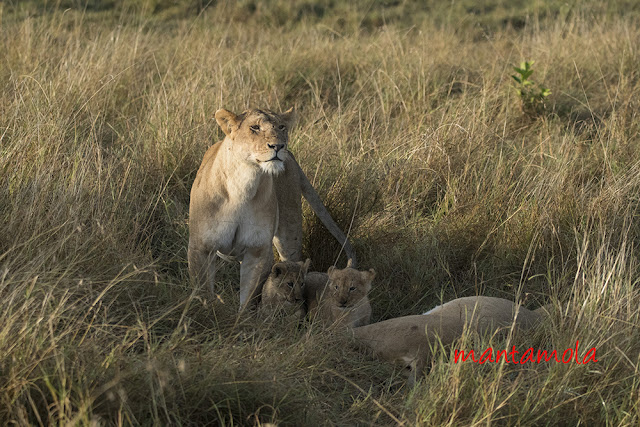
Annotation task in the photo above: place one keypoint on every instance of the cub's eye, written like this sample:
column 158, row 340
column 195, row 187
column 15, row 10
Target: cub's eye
column 290, row 284
column 255, row 128
column 351, row 289
column 336, row 286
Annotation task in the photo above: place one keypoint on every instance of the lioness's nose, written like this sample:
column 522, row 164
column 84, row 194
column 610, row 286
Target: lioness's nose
column 276, row 147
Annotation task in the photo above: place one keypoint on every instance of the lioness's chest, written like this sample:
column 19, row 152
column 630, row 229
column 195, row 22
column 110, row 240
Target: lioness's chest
column 237, row 229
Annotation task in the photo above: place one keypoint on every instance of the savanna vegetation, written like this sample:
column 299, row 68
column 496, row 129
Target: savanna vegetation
column 452, row 178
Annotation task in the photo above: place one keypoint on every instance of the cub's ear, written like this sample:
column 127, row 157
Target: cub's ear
column 304, row 266
column 289, row 117
column 350, row 263
column 331, row 269
column 277, row 270
column 368, row 276
column 227, row 121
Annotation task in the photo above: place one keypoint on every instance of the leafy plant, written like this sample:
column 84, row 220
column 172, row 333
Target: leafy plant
column 532, row 95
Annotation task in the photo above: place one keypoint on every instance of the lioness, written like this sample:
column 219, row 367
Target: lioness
column 283, row 289
column 408, row 340
column 339, row 295
column 247, row 193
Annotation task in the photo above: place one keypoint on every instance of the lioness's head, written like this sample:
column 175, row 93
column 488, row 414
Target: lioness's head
column 259, row 137
column 283, row 288
column 348, row 286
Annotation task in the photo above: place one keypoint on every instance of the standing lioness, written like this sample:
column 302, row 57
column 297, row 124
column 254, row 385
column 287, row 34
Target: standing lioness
column 247, row 193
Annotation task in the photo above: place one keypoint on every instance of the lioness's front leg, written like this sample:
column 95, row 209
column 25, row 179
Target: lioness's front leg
column 254, row 270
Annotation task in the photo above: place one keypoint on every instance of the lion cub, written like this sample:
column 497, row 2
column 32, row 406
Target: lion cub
column 340, row 295
column 282, row 291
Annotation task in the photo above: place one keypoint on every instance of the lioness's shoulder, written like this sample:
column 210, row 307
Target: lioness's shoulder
column 207, row 161
column 210, row 154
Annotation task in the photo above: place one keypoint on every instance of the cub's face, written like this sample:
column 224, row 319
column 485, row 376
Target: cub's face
column 260, row 137
column 348, row 286
column 283, row 288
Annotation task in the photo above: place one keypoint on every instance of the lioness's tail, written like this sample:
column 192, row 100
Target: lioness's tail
column 314, row 200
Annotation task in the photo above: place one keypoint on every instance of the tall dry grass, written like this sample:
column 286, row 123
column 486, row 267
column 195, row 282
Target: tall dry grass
column 417, row 144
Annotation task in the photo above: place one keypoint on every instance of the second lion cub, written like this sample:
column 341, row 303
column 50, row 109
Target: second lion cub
column 339, row 295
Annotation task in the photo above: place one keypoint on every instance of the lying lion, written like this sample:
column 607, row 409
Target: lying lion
column 247, row 193
column 408, row 340
column 339, row 296
column 282, row 292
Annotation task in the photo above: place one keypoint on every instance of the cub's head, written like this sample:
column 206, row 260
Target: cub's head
column 283, row 288
column 259, row 137
column 348, row 286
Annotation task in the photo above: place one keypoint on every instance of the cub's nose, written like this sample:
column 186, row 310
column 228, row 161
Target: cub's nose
column 276, row 147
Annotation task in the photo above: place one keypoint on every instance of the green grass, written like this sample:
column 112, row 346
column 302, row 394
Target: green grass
column 412, row 134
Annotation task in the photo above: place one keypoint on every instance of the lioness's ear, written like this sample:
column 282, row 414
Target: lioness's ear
column 289, row 117
column 227, row 121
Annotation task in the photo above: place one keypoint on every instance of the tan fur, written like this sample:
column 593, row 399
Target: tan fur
column 282, row 292
column 545, row 310
column 340, row 295
column 246, row 195
column 314, row 285
column 408, row 340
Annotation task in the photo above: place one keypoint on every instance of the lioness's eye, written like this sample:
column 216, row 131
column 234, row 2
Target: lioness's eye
column 353, row 288
column 290, row 284
column 336, row 286
column 283, row 127
column 255, row 128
